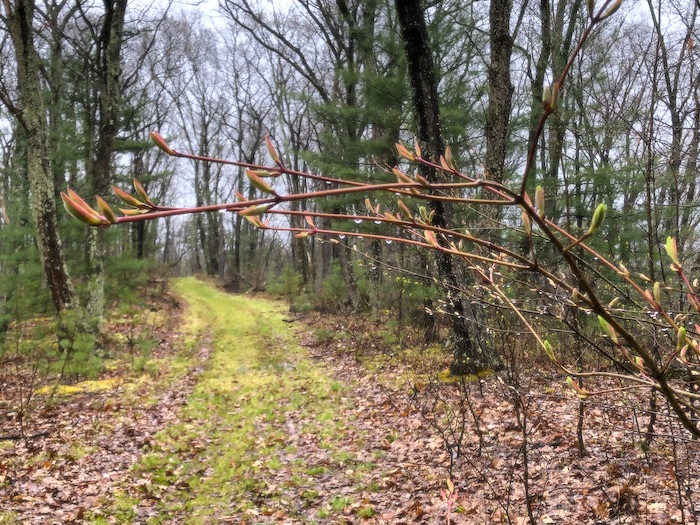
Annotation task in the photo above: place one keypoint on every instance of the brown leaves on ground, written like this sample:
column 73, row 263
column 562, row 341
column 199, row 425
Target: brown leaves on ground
column 79, row 447
column 400, row 440
column 617, row 480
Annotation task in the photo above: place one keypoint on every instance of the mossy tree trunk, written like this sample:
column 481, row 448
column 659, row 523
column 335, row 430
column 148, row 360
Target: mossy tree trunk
column 31, row 114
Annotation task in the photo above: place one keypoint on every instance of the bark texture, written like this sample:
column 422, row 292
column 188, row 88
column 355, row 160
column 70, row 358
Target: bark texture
column 500, row 88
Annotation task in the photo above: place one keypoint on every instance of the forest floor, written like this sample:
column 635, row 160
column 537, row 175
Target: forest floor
column 245, row 414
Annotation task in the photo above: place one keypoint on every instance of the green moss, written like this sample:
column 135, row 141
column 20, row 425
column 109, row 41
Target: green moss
column 447, row 377
column 231, row 438
column 77, row 451
column 373, row 487
column 83, row 387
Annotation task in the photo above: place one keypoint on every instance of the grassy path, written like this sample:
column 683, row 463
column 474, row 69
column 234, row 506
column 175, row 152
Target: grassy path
column 240, row 417
column 265, row 437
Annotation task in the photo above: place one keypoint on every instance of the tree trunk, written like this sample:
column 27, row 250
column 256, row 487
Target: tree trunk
column 32, row 116
column 469, row 358
column 109, row 70
column 500, row 89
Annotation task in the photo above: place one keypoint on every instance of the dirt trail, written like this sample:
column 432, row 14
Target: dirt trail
column 273, row 434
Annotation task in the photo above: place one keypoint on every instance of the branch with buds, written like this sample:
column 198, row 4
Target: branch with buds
column 580, row 275
column 491, row 261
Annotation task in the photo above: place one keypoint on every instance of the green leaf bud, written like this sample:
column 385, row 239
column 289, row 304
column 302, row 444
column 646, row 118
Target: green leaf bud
column 681, row 338
column 549, row 350
column 271, row 150
column 598, row 218
column 608, row 329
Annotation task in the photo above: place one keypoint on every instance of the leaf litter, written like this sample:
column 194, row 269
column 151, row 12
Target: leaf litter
column 375, row 453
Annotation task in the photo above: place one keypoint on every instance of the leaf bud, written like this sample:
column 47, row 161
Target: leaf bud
column 598, row 218
column 423, row 211
column 608, row 329
column 141, row 192
column 539, row 200
column 610, row 10
column 79, row 209
column 405, row 210
column 258, row 183
column 127, row 199
column 580, row 392
column 106, row 210
column 255, row 210
column 132, row 212
column 254, row 220
column 271, row 150
column 448, row 157
column 549, row 350
column 265, row 173
column 160, row 142
column 431, row 238
column 672, row 251
column 422, row 181
column 401, row 176
column 546, row 96
column 554, row 100
column 681, row 338
column 403, row 152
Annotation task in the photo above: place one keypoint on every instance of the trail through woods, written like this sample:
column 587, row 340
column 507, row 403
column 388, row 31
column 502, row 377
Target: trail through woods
column 249, row 416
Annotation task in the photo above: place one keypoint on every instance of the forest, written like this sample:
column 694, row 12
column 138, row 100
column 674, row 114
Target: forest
column 454, row 242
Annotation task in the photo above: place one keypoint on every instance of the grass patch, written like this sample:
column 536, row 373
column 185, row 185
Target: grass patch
column 315, row 471
column 366, row 512
column 8, row 518
column 339, row 503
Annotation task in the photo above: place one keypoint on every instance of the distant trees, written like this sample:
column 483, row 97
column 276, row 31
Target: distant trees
column 546, row 247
